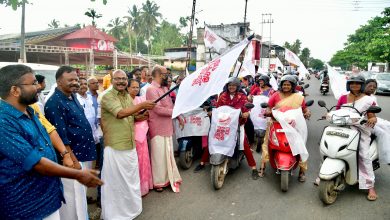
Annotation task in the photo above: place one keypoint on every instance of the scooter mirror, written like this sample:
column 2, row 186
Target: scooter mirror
column 249, row 105
column 301, row 83
column 310, row 103
column 264, row 105
column 306, row 86
column 374, row 109
column 322, row 103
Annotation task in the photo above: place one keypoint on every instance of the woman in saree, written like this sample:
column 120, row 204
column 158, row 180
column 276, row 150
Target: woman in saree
column 141, row 130
column 285, row 97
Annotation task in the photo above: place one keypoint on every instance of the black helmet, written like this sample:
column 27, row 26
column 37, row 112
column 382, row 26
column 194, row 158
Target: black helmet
column 266, row 80
column 289, row 78
column 359, row 79
column 234, row 81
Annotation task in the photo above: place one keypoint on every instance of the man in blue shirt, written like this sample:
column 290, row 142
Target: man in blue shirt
column 64, row 111
column 29, row 183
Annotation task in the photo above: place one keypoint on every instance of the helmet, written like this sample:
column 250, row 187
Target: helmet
column 359, row 79
column 265, row 79
column 289, row 78
column 233, row 80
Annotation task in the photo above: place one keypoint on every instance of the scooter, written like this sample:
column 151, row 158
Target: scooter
column 339, row 148
column 221, row 163
column 324, row 87
column 279, row 150
column 197, row 125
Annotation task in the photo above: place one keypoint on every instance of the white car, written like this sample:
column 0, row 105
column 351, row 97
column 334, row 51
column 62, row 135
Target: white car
column 48, row 71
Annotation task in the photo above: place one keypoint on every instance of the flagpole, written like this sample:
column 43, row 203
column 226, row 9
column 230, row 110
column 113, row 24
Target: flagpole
column 163, row 96
column 249, row 41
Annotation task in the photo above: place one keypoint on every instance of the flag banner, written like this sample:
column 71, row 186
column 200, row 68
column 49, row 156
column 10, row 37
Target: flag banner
column 249, row 58
column 212, row 40
column 294, row 59
column 257, row 113
column 206, row 81
column 337, row 82
column 196, row 123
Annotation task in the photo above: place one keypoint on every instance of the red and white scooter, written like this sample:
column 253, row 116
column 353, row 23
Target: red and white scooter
column 281, row 156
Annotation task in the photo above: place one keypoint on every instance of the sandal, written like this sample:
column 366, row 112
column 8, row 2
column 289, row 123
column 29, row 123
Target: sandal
column 159, row 190
column 372, row 196
column 262, row 172
column 302, row 177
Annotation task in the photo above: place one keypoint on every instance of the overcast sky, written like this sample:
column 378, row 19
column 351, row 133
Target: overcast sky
column 322, row 25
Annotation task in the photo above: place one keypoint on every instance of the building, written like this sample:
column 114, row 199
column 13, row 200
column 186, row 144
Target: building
column 175, row 58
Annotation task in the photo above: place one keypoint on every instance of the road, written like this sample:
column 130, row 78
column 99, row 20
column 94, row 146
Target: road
column 244, row 198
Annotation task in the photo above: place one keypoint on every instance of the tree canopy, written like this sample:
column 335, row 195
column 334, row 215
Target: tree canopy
column 369, row 43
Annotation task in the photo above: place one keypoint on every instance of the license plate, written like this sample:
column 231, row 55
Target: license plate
column 337, row 133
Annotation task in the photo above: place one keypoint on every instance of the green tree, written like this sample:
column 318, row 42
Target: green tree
column 133, row 26
column 54, row 24
column 167, row 35
column 149, row 20
column 116, row 28
column 17, row 3
column 92, row 14
column 305, row 56
column 316, row 64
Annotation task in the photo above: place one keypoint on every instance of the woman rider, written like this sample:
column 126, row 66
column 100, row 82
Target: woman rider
column 285, row 97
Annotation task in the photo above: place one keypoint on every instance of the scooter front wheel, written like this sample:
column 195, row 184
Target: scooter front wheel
column 186, row 158
column 327, row 193
column 284, row 176
column 218, row 175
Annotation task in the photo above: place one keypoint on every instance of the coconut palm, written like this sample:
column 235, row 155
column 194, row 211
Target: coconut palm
column 92, row 14
column 149, row 20
column 133, row 25
column 116, row 28
column 54, row 24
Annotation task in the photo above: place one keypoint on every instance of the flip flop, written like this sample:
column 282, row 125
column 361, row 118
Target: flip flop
column 302, row 178
column 262, row 172
column 372, row 197
column 159, row 190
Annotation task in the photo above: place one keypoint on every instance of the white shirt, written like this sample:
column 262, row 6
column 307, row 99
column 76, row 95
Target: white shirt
column 89, row 111
column 144, row 88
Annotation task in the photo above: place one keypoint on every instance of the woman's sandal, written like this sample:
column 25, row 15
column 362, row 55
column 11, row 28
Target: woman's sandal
column 261, row 172
column 302, row 177
column 159, row 189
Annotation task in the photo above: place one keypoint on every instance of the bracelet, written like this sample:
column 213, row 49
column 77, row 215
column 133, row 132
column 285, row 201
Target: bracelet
column 65, row 152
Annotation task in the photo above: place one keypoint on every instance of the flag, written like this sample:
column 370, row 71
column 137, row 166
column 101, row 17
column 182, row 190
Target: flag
column 249, row 58
column 294, row 59
column 337, row 82
column 187, row 73
column 212, row 40
column 206, row 81
column 243, row 71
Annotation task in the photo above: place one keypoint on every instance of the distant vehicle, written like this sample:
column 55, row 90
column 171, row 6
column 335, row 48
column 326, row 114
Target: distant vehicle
column 368, row 74
column 383, row 80
column 48, row 71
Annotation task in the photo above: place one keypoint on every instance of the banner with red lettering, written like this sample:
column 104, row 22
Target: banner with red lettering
column 212, row 40
column 206, row 81
column 257, row 113
column 196, row 123
column 223, row 130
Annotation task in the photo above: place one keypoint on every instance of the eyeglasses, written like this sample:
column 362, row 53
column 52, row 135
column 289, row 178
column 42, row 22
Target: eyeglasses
column 121, row 79
column 26, row 84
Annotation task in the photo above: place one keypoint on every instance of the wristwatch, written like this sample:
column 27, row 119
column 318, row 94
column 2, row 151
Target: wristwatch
column 65, row 152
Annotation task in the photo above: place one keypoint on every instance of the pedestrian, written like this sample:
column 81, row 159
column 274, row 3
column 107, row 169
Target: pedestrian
column 147, row 83
column 29, row 183
column 144, row 72
column 64, row 111
column 164, row 168
column 137, row 74
column 107, row 78
column 121, row 195
column 141, row 140
column 41, row 86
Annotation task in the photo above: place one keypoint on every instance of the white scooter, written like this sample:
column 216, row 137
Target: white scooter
column 339, row 151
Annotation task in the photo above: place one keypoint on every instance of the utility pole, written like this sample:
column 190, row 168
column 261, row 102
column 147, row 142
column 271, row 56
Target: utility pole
column 22, row 35
column 244, row 34
column 261, row 42
column 269, row 21
column 190, row 34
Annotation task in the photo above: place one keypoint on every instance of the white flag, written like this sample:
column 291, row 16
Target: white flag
column 249, row 58
column 294, row 59
column 212, row 40
column 206, row 81
column 337, row 82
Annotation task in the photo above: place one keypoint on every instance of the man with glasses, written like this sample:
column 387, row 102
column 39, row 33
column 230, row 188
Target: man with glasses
column 121, row 196
column 29, row 183
column 64, row 111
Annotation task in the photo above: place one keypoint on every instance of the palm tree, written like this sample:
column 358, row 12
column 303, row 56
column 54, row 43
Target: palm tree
column 92, row 14
column 149, row 20
column 54, row 24
column 116, row 28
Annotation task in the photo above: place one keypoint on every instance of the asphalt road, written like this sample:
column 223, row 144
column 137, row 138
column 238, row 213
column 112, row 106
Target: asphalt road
column 244, row 198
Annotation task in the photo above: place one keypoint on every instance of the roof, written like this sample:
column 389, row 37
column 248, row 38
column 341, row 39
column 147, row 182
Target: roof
column 39, row 36
column 34, row 66
column 89, row 32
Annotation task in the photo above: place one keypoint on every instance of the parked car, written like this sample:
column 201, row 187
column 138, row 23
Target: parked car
column 368, row 74
column 383, row 80
column 48, row 71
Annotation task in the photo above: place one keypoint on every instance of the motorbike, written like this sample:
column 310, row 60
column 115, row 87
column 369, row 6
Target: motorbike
column 308, row 76
column 197, row 125
column 220, row 162
column 339, row 148
column 324, row 87
column 279, row 150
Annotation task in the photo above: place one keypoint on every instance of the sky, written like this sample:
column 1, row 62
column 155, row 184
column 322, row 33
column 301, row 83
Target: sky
column 322, row 25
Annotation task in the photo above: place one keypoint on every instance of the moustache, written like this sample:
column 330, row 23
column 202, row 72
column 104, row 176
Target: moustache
column 74, row 85
column 121, row 84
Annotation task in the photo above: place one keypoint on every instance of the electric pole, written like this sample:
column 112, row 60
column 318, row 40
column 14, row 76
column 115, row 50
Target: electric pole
column 269, row 21
column 190, row 34
column 244, row 34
